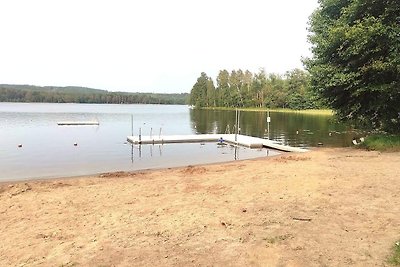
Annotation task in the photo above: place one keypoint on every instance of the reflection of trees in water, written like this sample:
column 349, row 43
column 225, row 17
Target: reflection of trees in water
column 210, row 121
column 289, row 128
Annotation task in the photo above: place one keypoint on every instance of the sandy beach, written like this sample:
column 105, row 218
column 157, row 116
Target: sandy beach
column 327, row 207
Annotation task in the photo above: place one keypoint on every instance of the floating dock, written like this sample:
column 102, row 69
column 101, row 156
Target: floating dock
column 78, row 123
column 243, row 140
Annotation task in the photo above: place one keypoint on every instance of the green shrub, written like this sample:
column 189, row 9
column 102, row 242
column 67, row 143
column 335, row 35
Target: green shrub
column 394, row 259
column 387, row 143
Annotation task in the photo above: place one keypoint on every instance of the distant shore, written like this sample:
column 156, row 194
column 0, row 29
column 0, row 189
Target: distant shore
column 330, row 206
column 305, row 111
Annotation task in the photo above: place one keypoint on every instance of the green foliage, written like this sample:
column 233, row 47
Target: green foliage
column 394, row 259
column 388, row 143
column 52, row 94
column 244, row 89
column 356, row 59
column 203, row 92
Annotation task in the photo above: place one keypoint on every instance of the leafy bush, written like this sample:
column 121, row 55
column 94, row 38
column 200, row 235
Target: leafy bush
column 388, row 143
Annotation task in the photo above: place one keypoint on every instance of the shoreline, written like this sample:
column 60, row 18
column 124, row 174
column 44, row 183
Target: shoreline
column 329, row 206
column 33, row 179
column 326, row 112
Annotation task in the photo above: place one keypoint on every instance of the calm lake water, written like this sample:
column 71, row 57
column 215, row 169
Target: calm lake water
column 48, row 149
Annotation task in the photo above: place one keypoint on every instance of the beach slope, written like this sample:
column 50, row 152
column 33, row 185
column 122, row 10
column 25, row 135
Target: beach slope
column 327, row 207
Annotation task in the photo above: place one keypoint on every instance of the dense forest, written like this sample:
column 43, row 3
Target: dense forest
column 246, row 89
column 71, row 94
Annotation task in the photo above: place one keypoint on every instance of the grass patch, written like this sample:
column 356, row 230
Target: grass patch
column 394, row 259
column 285, row 110
column 273, row 240
column 386, row 143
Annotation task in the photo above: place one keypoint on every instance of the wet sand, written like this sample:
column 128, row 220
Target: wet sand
column 328, row 207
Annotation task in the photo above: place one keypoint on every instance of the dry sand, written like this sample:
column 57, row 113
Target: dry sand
column 328, row 207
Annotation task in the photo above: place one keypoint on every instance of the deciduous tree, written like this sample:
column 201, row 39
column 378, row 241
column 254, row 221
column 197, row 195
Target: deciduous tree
column 356, row 59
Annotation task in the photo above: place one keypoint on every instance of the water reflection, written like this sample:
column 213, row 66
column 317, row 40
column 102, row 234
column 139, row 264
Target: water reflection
column 150, row 156
column 296, row 129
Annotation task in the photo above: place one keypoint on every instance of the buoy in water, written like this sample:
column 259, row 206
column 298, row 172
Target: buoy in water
column 75, row 144
column 19, row 145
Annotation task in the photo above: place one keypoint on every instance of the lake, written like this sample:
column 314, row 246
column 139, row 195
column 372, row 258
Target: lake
column 48, row 150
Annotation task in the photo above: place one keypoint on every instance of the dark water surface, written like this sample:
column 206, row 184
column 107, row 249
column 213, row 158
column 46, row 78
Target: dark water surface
column 48, row 149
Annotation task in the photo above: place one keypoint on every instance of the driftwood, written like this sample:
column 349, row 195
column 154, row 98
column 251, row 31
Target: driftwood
column 302, row 219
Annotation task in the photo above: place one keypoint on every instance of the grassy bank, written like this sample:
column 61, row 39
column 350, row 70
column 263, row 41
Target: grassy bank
column 394, row 259
column 305, row 111
column 387, row 143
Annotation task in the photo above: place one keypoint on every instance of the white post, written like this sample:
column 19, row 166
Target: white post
column 236, row 125
column 131, row 125
column 268, row 121
column 239, row 122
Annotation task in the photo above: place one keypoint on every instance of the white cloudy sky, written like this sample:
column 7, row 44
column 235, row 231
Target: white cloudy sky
column 148, row 45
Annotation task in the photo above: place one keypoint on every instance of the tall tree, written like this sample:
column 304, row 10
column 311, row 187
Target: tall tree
column 257, row 87
column 246, row 89
column 236, row 83
column 275, row 91
column 356, row 59
column 211, row 96
column 200, row 96
column 222, row 90
column 299, row 93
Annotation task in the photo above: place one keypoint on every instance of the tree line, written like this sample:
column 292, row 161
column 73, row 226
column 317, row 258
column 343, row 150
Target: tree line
column 246, row 89
column 51, row 94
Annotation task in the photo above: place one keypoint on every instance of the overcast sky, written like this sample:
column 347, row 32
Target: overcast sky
column 148, row 45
